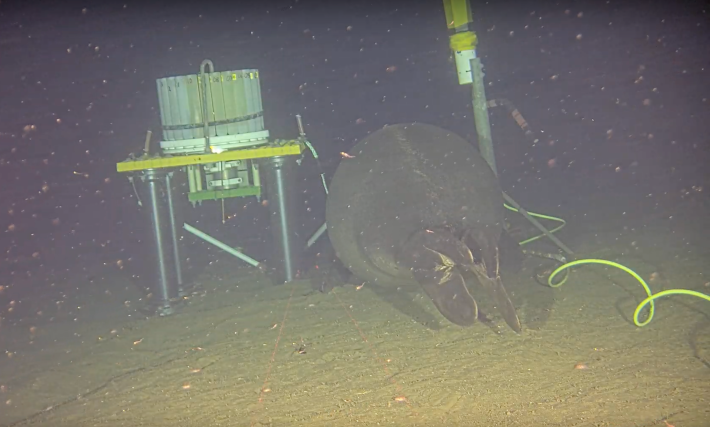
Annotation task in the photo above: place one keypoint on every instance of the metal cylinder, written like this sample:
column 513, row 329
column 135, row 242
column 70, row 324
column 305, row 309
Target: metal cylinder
column 279, row 184
column 174, row 233
column 155, row 179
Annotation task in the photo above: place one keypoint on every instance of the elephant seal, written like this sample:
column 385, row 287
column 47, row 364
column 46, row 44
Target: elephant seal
column 417, row 203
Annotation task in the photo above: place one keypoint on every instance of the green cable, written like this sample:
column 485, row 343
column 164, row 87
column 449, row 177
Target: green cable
column 648, row 300
column 532, row 239
column 536, row 215
column 650, row 296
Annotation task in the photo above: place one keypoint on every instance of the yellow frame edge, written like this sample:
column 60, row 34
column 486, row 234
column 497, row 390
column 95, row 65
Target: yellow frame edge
column 290, row 149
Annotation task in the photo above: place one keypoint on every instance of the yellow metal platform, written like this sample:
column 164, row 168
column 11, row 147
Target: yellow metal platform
column 286, row 148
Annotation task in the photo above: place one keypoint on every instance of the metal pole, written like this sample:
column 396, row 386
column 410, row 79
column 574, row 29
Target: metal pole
column 322, row 229
column 480, row 114
column 153, row 178
column 485, row 144
column 278, row 177
column 174, row 232
column 225, row 247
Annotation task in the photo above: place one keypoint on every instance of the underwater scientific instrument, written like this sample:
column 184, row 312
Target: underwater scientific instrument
column 213, row 131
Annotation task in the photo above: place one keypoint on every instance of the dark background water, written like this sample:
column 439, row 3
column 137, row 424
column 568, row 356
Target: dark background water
column 616, row 92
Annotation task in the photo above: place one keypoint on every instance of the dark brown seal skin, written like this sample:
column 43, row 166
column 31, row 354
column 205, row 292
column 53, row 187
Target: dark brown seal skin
column 414, row 203
column 328, row 272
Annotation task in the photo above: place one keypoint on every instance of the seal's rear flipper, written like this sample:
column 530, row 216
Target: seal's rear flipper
column 432, row 256
column 495, row 288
